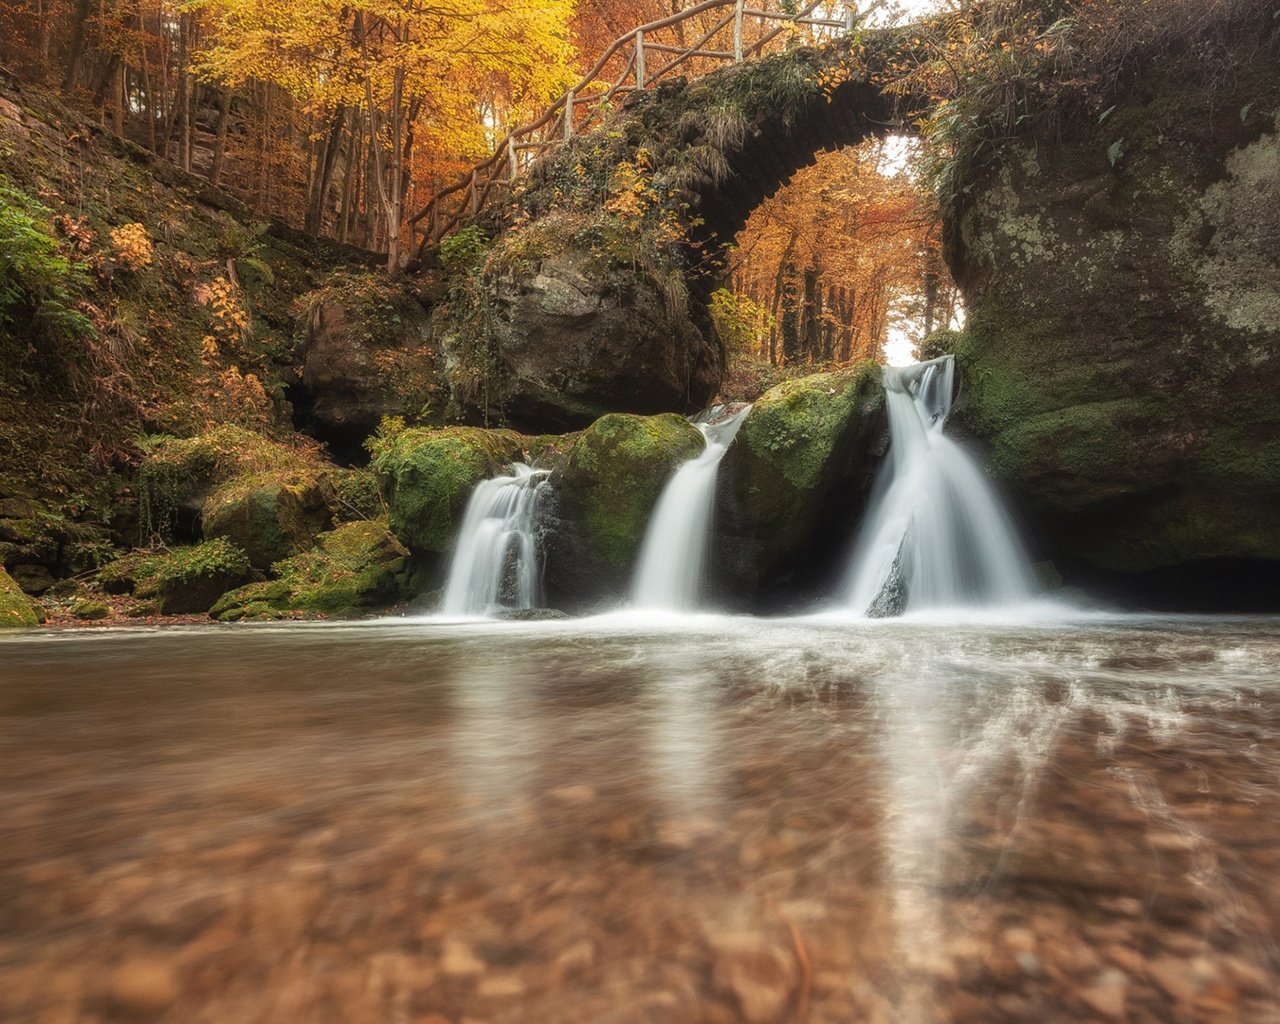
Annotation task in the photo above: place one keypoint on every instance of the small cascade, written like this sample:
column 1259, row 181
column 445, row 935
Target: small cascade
column 669, row 576
column 495, row 563
column 935, row 535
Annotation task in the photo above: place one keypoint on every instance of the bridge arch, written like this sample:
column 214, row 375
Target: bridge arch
column 608, row 248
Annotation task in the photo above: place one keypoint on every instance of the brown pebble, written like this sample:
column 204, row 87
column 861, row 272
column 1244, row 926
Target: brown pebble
column 144, row 986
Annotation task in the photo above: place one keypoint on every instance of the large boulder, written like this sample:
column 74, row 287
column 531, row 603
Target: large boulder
column 15, row 608
column 794, row 482
column 428, row 475
column 574, row 333
column 269, row 516
column 178, row 476
column 353, row 570
column 1122, row 357
column 602, row 493
column 367, row 355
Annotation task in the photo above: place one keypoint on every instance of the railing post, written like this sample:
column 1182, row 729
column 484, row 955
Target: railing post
column 640, row 75
column 850, row 19
column 513, row 161
column 435, row 221
column 568, row 115
column 738, row 11
column 475, row 193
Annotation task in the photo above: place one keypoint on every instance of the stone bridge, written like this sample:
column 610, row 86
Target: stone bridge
column 592, row 297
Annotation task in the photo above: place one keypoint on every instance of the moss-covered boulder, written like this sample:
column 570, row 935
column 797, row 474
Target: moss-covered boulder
column 269, row 516
column 184, row 581
column 428, row 476
column 355, row 569
column 794, row 482
column 178, row 475
column 602, row 493
column 15, row 608
column 1121, row 362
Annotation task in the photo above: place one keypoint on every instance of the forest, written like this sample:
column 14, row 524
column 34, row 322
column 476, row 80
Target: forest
column 639, row 511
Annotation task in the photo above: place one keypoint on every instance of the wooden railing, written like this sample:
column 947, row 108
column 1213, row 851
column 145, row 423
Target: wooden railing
column 637, row 61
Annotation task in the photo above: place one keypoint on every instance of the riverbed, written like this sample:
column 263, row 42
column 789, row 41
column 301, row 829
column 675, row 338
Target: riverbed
column 642, row 820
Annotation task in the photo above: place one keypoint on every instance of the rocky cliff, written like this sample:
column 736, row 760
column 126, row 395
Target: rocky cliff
column 1121, row 364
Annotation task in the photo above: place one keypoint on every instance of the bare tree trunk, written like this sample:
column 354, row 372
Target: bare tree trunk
column 75, row 52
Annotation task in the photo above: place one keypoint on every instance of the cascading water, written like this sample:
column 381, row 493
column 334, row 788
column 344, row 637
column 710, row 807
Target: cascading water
column 495, row 563
column 935, row 535
column 669, row 576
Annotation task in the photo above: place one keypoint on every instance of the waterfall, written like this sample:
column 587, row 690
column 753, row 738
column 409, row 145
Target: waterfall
column 495, row 561
column 669, row 575
column 935, row 535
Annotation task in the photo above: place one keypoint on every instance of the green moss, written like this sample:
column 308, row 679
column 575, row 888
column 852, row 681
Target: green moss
column 180, row 472
column 429, row 474
column 185, row 579
column 90, row 610
column 269, row 515
column 354, row 494
column 15, row 609
column 355, row 568
column 803, row 442
column 613, row 475
column 795, row 426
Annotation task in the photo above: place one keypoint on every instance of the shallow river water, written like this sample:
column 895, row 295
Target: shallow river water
column 617, row 820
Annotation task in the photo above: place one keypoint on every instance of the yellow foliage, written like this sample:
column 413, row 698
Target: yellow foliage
column 131, row 245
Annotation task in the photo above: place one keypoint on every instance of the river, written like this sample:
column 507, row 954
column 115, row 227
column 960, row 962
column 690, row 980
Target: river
column 694, row 820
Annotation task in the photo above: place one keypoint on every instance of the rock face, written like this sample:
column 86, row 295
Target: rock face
column 15, row 609
column 575, row 338
column 794, row 482
column 602, row 493
column 1122, row 356
column 429, row 475
column 367, row 355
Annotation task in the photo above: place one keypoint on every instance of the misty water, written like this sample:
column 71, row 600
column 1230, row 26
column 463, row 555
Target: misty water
column 606, row 820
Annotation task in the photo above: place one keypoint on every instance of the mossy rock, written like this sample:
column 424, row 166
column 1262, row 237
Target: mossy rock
column 89, row 610
column 178, row 475
column 185, row 581
column 428, row 475
column 269, row 516
column 603, row 493
column 15, row 608
column 795, row 479
column 352, row 570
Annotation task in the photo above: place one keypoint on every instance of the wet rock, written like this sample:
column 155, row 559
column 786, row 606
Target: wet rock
column 892, row 599
column 1107, row 994
column 601, row 495
column 793, row 483
column 755, row 974
column 457, row 959
column 429, row 475
column 143, row 987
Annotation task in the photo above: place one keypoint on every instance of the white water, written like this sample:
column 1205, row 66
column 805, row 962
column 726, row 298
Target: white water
column 933, row 509
column 674, row 550
column 495, row 562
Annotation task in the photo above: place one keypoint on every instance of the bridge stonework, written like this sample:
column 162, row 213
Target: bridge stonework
column 592, row 297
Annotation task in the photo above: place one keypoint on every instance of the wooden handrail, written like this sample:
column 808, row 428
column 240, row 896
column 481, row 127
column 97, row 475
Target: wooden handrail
column 564, row 118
